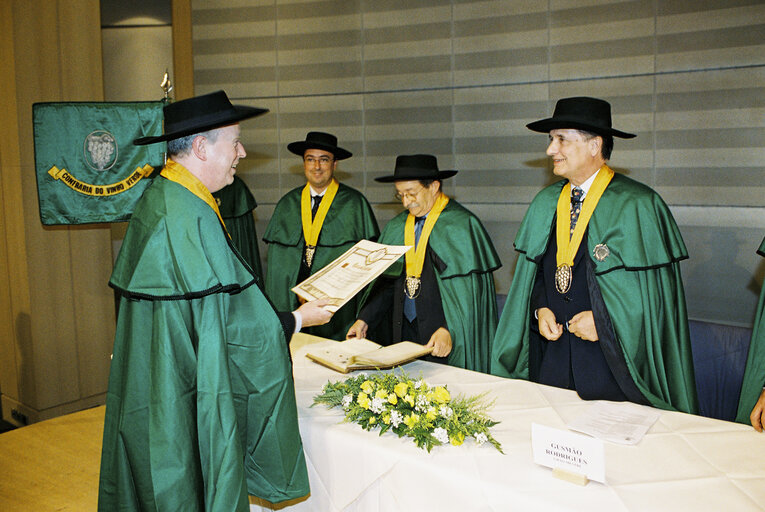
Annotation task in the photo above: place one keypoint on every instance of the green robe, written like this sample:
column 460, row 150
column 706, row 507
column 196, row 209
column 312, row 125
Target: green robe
column 754, row 375
column 349, row 219
column 466, row 284
column 200, row 409
column 639, row 280
column 236, row 204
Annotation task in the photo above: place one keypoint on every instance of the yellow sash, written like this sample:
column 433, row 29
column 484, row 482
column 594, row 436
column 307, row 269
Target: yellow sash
column 415, row 259
column 312, row 227
column 174, row 171
column 568, row 243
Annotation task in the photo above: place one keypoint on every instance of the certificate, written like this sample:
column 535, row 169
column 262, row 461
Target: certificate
column 350, row 273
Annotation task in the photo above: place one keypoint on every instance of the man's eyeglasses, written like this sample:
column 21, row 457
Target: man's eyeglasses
column 409, row 195
column 323, row 160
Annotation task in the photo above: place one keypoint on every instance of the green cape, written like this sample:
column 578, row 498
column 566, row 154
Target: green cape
column 200, row 409
column 349, row 219
column 754, row 375
column 639, row 280
column 466, row 284
column 236, row 204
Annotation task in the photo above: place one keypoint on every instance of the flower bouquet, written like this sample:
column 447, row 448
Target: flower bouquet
column 429, row 415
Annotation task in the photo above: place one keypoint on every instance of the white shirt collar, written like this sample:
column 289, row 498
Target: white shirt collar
column 587, row 184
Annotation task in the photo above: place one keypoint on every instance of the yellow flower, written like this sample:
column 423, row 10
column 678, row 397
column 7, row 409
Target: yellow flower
column 441, row 395
column 372, row 420
column 457, row 438
column 386, row 419
column 411, row 420
column 367, row 387
column 363, row 400
column 392, row 399
column 401, row 389
column 409, row 399
column 381, row 394
column 431, row 414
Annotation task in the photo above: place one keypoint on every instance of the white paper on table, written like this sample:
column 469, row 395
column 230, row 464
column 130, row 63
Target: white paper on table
column 618, row 422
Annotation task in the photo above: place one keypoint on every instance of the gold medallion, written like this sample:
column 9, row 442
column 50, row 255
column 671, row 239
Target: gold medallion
column 412, row 287
column 563, row 278
column 309, row 250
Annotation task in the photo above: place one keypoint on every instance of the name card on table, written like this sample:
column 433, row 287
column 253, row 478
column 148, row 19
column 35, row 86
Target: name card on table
column 568, row 453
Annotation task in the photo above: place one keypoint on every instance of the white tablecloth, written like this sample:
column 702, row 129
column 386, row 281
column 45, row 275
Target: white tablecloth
column 685, row 462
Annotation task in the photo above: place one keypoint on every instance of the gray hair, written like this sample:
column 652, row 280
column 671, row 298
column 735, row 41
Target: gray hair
column 182, row 145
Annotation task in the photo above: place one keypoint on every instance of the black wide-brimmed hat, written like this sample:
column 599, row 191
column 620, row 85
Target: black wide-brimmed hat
column 580, row 113
column 319, row 140
column 416, row 167
column 199, row 114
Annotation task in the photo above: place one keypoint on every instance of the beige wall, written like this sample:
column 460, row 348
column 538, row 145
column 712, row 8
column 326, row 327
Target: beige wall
column 60, row 316
column 56, row 310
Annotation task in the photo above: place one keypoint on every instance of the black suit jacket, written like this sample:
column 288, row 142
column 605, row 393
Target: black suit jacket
column 597, row 370
column 383, row 310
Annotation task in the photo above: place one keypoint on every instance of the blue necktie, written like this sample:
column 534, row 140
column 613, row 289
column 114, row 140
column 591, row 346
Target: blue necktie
column 410, row 310
column 576, row 207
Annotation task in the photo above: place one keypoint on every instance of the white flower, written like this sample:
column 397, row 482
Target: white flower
column 480, row 438
column 419, row 383
column 446, row 411
column 347, row 401
column 378, row 405
column 441, row 435
column 422, row 403
column 396, row 418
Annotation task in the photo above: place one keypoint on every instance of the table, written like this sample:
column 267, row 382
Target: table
column 685, row 462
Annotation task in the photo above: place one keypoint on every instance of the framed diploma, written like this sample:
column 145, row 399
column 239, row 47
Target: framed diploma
column 342, row 279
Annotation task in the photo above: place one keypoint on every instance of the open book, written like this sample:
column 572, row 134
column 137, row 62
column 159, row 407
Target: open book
column 362, row 354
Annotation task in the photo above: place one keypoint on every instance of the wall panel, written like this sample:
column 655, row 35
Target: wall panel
column 461, row 79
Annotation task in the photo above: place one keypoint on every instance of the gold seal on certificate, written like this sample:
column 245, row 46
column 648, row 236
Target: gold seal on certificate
column 563, row 278
column 309, row 250
column 412, row 287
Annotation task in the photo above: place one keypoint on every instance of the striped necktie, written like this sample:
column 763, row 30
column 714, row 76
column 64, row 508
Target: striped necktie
column 576, row 207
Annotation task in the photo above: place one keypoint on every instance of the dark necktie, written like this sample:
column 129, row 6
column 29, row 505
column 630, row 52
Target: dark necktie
column 316, row 202
column 410, row 310
column 576, row 207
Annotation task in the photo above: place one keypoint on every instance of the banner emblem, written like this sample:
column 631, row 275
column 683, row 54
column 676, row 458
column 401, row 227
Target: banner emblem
column 100, row 150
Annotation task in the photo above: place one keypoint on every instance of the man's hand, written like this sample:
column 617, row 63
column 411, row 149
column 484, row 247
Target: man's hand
column 357, row 330
column 582, row 324
column 548, row 325
column 441, row 341
column 758, row 413
column 313, row 313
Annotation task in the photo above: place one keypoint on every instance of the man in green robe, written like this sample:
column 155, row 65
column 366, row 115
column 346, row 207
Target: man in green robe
column 751, row 405
column 200, row 409
column 445, row 299
column 337, row 216
column 597, row 302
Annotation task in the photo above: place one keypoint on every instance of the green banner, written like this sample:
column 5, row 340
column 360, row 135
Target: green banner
column 87, row 168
